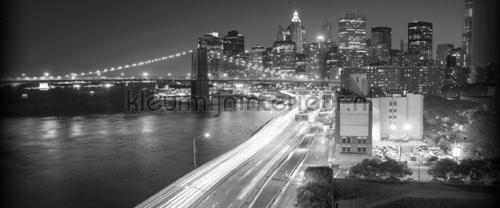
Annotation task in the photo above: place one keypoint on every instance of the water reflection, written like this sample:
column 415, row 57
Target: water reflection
column 114, row 160
column 49, row 128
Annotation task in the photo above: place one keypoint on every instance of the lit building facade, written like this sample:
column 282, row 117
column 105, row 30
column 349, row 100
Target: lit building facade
column 467, row 36
column 423, row 80
column 213, row 44
column 420, row 41
column 296, row 33
column 352, row 38
column 442, row 52
column 322, row 57
column 312, row 55
column 380, row 46
column 255, row 58
column 399, row 80
column 381, row 35
column 234, row 43
column 283, row 56
column 397, row 117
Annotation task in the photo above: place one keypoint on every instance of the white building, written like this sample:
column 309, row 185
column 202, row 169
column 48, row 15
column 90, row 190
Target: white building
column 353, row 124
column 397, row 118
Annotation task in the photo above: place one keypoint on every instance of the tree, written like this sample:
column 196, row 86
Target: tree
column 318, row 190
column 375, row 168
column 393, row 168
column 366, row 168
column 314, row 195
column 321, row 175
column 443, row 168
column 477, row 169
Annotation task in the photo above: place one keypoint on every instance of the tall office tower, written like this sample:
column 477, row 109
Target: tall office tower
column 467, row 36
column 442, row 51
column 283, row 56
column 213, row 44
column 312, row 55
column 352, row 37
column 281, row 34
column 234, row 43
column 327, row 31
column 322, row 58
column 381, row 35
column 255, row 57
column 297, row 33
column 484, row 48
column 380, row 46
column 420, row 41
column 267, row 58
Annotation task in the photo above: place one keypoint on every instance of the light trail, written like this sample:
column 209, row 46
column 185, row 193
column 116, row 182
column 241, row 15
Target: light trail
column 187, row 190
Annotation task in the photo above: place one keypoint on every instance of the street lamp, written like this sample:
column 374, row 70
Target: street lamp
column 205, row 135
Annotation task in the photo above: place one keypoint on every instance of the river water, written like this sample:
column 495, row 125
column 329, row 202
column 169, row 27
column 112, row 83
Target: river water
column 106, row 159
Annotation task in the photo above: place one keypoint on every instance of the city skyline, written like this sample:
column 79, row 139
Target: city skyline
column 141, row 31
column 250, row 103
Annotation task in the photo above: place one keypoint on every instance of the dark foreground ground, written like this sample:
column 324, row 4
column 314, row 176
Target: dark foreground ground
column 360, row 193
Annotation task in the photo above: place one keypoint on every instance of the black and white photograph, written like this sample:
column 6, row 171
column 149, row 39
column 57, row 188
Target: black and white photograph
column 249, row 104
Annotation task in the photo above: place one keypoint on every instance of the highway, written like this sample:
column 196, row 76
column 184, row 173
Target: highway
column 234, row 178
column 239, row 189
column 317, row 155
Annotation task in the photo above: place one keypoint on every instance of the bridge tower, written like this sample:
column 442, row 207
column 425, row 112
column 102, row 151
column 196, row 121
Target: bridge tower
column 199, row 76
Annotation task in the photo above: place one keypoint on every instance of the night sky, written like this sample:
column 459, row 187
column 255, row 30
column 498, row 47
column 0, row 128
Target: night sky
column 61, row 36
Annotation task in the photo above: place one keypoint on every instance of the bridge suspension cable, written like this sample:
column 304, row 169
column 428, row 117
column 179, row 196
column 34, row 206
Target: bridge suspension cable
column 98, row 72
column 235, row 60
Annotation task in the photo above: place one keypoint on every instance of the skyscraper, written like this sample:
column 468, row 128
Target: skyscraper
column 442, row 51
column 255, row 57
column 213, row 44
column 327, row 31
column 381, row 35
column 234, row 43
column 297, row 33
column 420, row 40
column 352, row 37
column 467, row 36
column 283, row 56
column 380, row 45
column 484, row 51
column 281, row 34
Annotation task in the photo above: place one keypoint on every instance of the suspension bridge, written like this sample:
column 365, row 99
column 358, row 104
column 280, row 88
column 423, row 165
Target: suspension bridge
column 114, row 74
